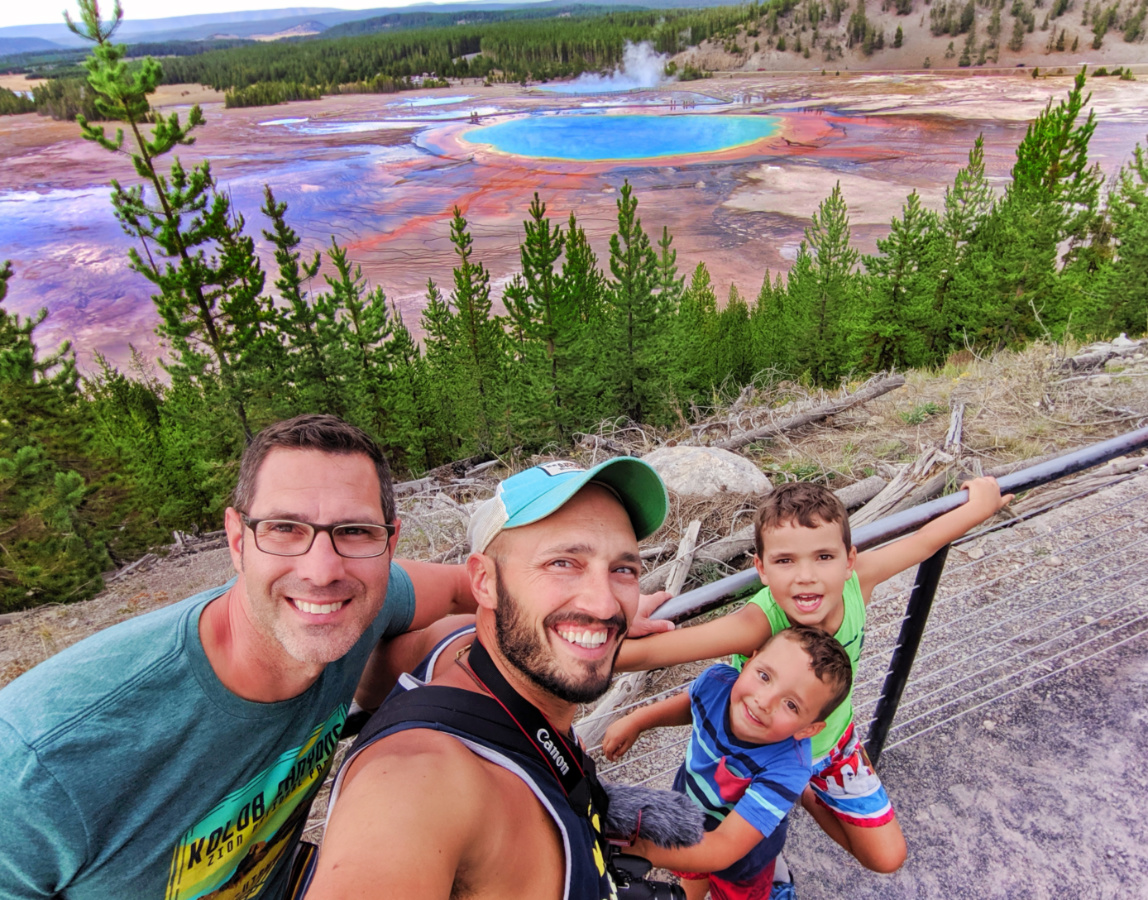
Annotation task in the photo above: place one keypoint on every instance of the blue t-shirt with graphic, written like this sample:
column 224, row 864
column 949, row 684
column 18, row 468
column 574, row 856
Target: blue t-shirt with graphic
column 130, row 771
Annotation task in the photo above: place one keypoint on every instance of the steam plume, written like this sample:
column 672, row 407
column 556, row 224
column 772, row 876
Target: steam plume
column 642, row 67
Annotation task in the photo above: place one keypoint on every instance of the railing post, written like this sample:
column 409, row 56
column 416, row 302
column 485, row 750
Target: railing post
column 912, row 629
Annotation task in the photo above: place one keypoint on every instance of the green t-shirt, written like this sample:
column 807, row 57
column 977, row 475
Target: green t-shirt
column 851, row 636
column 130, row 771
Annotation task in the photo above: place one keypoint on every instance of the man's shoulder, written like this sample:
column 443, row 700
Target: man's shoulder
column 48, row 699
column 428, row 768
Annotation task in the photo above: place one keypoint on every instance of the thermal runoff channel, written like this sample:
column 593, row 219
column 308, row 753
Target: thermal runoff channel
column 590, row 138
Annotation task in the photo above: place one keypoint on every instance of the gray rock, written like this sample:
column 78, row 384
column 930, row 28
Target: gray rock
column 706, row 472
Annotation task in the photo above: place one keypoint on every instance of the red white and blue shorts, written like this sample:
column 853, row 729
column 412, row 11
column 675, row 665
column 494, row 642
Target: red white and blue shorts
column 751, row 887
column 846, row 784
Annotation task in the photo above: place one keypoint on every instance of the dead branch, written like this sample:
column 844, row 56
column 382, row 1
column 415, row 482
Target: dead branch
column 952, row 443
column 680, row 568
column 900, row 487
column 871, row 390
column 594, row 442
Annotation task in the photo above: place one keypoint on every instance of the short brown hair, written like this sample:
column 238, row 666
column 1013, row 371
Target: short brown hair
column 827, row 658
column 802, row 503
column 327, row 434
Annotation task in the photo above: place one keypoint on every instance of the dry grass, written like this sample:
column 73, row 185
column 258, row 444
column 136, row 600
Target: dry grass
column 35, row 635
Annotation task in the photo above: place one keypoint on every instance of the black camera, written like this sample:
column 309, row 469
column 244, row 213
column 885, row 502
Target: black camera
column 628, row 874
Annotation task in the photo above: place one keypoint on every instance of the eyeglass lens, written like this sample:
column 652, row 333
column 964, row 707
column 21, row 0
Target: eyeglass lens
column 287, row 538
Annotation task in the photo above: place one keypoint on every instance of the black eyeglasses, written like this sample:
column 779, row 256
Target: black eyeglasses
column 285, row 537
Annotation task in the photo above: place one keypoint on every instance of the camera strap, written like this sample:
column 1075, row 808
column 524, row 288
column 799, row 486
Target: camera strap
column 572, row 768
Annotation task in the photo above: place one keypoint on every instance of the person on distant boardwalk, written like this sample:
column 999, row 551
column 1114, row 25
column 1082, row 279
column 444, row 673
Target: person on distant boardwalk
column 749, row 757
column 813, row 575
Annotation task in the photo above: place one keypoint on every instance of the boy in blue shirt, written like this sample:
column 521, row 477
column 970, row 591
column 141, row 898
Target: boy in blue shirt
column 749, row 757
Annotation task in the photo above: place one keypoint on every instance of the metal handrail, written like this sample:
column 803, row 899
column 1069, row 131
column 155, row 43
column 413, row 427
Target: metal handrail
column 717, row 593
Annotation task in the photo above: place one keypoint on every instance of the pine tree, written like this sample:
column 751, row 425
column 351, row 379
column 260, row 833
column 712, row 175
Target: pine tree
column 670, row 284
column 733, row 356
column 692, row 355
column 1122, row 286
column 896, row 326
column 543, row 314
column 453, row 421
column 414, row 440
column 775, row 326
column 50, row 549
column 194, row 251
column 632, row 366
column 355, row 332
column 825, row 291
column 299, row 318
column 1051, row 202
column 968, row 204
column 1016, row 41
column 479, row 339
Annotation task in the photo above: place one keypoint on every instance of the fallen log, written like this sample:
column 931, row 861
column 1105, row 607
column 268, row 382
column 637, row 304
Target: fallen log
column 907, row 480
column 952, row 444
column 862, row 492
column 869, row 391
column 142, row 561
column 680, row 567
column 1088, row 482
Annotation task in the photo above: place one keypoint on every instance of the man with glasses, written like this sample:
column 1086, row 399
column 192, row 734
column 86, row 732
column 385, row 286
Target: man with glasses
column 176, row 755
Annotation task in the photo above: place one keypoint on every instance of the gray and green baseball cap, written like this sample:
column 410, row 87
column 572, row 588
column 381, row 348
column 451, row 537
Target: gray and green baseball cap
column 535, row 493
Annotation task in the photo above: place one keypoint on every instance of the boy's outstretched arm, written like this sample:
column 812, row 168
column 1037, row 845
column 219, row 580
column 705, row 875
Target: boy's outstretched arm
column 622, row 734
column 719, row 849
column 742, row 632
column 876, row 566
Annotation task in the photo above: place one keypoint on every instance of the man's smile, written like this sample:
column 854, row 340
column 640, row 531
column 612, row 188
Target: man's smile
column 588, row 639
column 318, row 609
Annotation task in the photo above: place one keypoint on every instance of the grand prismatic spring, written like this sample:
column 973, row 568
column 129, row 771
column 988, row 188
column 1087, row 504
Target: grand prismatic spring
column 734, row 166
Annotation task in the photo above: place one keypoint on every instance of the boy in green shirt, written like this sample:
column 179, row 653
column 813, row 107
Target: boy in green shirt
column 813, row 575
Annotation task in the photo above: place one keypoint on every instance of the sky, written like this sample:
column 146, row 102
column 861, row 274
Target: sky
column 41, row 12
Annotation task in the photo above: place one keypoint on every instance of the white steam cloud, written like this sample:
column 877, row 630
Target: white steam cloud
column 642, row 67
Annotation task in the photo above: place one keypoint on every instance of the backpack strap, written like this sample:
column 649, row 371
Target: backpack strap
column 447, row 709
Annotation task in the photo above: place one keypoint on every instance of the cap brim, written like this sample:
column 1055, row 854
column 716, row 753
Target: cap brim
column 637, row 485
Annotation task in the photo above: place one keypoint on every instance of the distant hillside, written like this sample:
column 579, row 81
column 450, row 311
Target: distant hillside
column 274, row 23
column 433, row 17
column 945, row 34
column 195, row 27
column 10, row 45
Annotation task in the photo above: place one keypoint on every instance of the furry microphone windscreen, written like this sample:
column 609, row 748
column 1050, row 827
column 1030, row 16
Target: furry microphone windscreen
column 668, row 819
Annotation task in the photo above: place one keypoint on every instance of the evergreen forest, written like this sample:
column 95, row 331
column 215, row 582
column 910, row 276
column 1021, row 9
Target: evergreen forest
column 96, row 468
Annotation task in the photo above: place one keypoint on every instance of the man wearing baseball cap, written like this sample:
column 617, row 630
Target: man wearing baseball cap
column 427, row 807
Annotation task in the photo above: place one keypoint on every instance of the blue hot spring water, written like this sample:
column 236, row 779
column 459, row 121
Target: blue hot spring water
column 589, row 138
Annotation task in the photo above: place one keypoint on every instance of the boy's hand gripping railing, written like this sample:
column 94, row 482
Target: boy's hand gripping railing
column 712, row 595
